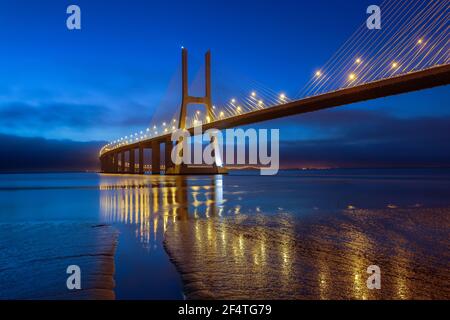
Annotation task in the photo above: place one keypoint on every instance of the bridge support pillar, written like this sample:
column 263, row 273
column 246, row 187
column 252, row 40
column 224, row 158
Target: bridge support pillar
column 141, row 159
column 168, row 155
column 156, row 158
column 132, row 161
column 109, row 164
column 115, row 167
column 122, row 162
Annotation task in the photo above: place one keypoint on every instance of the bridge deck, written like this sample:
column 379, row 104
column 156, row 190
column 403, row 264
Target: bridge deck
column 433, row 77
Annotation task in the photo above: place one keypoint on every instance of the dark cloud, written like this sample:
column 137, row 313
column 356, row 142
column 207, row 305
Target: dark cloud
column 21, row 116
column 20, row 154
column 370, row 139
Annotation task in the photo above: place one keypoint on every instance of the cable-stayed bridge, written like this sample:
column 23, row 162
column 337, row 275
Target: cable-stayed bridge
column 409, row 53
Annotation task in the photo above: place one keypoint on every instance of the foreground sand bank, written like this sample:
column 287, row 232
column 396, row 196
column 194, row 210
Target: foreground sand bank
column 34, row 258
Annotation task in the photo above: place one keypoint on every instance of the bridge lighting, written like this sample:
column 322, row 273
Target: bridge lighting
column 239, row 108
column 148, row 129
column 165, row 130
column 154, row 127
column 358, row 61
column 221, row 114
column 253, row 94
column 420, row 41
column 352, row 76
column 318, row 73
column 282, row 97
column 164, row 124
column 233, row 100
column 208, row 119
column 173, row 127
column 198, row 112
column 260, row 102
column 174, row 120
column 394, row 65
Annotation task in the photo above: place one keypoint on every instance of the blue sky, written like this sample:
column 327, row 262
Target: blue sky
column 110, row 78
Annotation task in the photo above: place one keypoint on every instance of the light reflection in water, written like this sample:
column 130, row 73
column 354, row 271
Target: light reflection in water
column 151, row 204
column 257, row 256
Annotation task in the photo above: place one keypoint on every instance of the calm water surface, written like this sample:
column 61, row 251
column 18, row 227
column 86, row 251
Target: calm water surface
column 142, row 208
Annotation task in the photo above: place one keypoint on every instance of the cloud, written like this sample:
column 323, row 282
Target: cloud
column 356, row 138
column 76, row 120
column 20, row 154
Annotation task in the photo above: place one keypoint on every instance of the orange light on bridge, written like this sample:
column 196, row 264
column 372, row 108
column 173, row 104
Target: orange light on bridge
column 352, row 76
column 221, row 114
column 282, row 97
column 358, row 61
column 253, row 94
column 420, row 41
column 318, row 73
column 394, row 65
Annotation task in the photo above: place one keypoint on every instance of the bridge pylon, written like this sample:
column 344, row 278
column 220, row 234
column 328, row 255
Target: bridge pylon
column 186, row 98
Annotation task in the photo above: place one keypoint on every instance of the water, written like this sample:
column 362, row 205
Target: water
column 144, row 208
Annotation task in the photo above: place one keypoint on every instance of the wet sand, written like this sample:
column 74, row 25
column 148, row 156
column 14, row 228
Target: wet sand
column 320, row 257
column 34, row 258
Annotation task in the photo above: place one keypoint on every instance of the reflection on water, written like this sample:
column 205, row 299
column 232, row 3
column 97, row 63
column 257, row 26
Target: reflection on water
column 223, row 252
column 301, row 234
column 256, row 257
column 151, row 205
column 226, row 245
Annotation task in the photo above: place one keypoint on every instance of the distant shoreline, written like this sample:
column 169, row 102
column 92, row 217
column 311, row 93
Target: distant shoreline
column 246, row 169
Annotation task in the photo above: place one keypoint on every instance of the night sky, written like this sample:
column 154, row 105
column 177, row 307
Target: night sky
column 63, row 93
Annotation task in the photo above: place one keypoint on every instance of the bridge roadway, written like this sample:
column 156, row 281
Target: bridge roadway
column 419, row 80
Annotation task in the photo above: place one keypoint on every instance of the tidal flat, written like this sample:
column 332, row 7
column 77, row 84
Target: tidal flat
column 280, row 257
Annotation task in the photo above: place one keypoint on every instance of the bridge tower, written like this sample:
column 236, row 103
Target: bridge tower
column 186, row 98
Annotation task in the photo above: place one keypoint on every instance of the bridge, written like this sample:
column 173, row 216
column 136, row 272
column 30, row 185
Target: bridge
column 416, row 61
